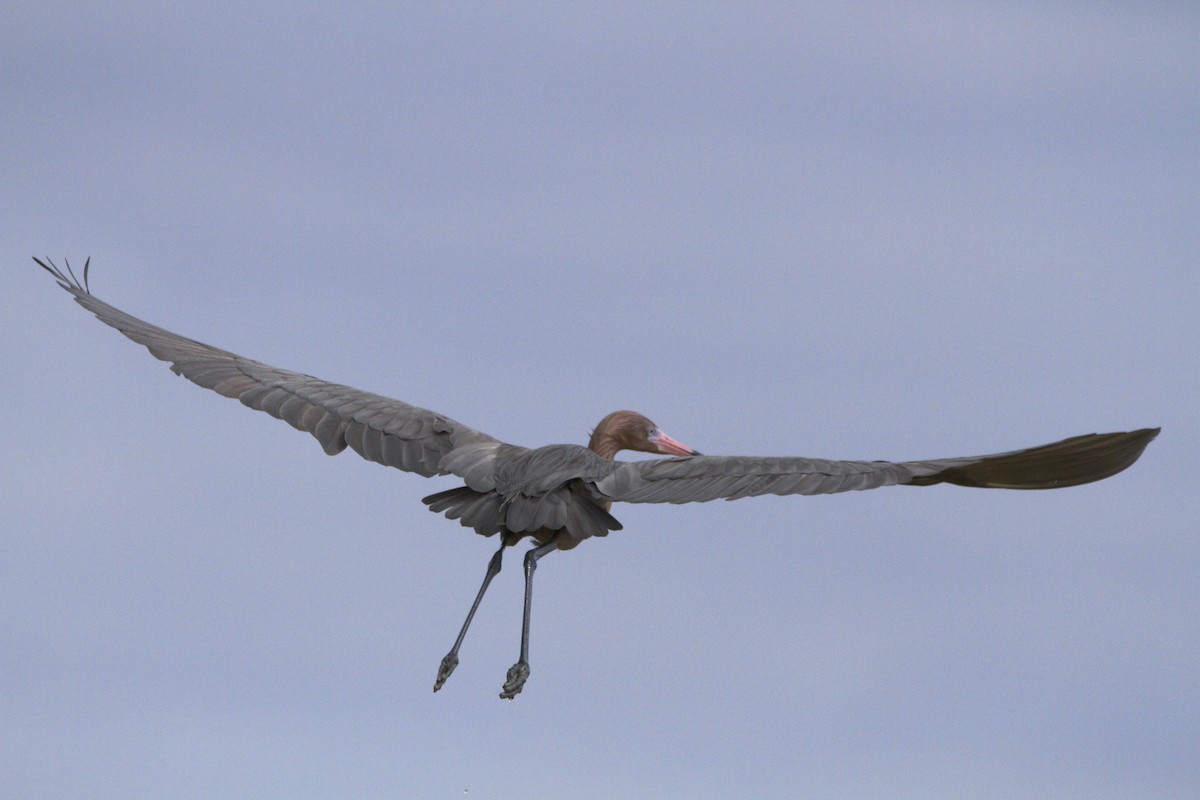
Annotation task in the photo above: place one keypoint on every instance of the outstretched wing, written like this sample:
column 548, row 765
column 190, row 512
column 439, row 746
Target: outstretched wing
column 378, row 428
column 696, row 479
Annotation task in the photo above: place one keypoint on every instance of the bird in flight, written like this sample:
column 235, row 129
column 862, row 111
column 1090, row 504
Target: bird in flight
column 560, row 494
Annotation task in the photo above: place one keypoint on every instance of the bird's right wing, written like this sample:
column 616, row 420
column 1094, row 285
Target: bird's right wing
column 696, row 479
column 378, row 428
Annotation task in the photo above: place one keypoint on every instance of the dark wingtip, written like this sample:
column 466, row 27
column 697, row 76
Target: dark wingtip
column 1071, row 462
column 67, row 280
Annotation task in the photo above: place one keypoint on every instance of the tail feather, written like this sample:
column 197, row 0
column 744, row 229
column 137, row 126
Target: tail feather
column 479, row 510
column 564, row 509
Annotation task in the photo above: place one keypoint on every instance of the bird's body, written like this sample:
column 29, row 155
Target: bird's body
column 561, row 494
column 542, row 493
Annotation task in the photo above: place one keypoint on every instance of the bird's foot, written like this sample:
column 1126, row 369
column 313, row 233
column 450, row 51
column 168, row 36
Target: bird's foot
column 518, row 673
column 448, row 665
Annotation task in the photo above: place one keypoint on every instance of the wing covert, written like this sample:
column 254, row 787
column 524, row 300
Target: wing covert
column 698, row 479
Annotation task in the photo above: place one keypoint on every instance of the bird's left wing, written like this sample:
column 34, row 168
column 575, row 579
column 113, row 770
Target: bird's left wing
column 378, row 428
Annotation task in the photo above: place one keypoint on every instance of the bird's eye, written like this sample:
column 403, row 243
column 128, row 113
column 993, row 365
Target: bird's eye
column 651, row 430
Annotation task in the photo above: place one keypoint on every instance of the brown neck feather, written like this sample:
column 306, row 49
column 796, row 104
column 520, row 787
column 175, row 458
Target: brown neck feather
column 616, row 432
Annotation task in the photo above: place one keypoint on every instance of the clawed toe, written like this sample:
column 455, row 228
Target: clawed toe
column 447, row 667
column 517, row 675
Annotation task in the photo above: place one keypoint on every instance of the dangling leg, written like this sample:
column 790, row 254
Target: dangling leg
column 451, row 659
column 519, row 672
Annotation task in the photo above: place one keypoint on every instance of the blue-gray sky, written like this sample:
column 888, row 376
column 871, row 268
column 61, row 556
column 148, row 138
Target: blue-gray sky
column 866, row 230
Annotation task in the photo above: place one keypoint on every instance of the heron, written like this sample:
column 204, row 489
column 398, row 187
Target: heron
column 559, row 495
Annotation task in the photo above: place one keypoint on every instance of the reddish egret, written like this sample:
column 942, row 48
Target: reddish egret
column 561, row 494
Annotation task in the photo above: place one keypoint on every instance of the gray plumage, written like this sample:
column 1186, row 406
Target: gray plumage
column 1071, row 462
column 379, row 429
column 561, row 494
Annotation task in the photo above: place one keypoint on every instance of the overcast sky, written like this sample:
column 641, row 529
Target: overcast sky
column 866, row 230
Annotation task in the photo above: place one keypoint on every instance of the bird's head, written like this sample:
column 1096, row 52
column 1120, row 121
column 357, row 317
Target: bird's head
column 629, row 430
